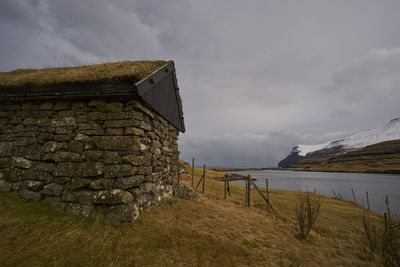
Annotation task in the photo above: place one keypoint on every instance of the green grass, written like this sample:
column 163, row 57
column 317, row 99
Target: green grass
column 216, row 232
column 126, row 71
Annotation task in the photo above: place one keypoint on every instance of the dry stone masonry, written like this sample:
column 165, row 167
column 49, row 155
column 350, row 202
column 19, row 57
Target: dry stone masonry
column 114, row 153
column 79, row 155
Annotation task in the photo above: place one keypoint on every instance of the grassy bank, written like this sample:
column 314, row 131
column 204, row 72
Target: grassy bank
column 216, row 232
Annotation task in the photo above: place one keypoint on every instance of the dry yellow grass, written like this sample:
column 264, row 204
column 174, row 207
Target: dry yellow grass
column 127, row 71
column 216, row 232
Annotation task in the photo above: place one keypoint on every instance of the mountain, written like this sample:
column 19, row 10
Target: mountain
column 388, row 131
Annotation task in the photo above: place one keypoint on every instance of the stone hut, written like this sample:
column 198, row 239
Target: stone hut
column 88, row 138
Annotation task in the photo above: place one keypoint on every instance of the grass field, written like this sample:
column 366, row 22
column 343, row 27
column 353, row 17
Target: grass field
column 216, row 232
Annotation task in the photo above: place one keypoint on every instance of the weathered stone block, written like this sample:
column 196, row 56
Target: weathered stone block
column 97, row 116
column 68, row 196
column 44, row 166
column 20, row 162
column 134, row 131
column 52, row 146
column 184, row 191
column 62, row 137
column 29, row 106
column 75, row 146
column 62, row 106
column 111, row 157
column 62, row 122
column 84, row 197
column 29, row 195
column 6, row 149
column 114, row 131
column 91, row 155
column 31, row 185
column 121, row 123
column 145, row 170
column 58, row 205
column 4, row 186
column 121, row 170
column 86, row 169
column 81, row 137
column 100, row 184
column 66, row 156
column 124, row 115
column 30, row 121
column 148, row 187
column 52, row 189
column 12, row 175
column 37, row 175
column 115, row 215
column 78, row 183
column 112, row 196
column 46, row 106
column 116, row 142
column 79, row 209
column 129, row 182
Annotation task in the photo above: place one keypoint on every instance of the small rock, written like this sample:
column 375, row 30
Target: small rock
column 113, row 196
column 78, row 209
column 118, row 214
column 4, row 186
column 52, row 189
column 184, row 191
column 29, row 195
column 20, row 162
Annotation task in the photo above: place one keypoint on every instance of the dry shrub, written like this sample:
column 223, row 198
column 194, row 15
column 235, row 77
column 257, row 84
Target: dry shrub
column 307, row 212
column 369, row 232
column 390, row 242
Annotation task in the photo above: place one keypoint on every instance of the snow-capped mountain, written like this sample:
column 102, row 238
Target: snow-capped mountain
column 386, row 132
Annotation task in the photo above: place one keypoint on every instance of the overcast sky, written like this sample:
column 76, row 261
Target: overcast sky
column 256, row 77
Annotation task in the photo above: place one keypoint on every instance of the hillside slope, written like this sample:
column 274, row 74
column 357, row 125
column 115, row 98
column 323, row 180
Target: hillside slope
column 216, row 232
column 387, row 132
column 379, row 158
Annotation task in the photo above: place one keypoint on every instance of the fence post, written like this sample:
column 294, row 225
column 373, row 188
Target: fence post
column 192, row 171
column 387, row 207
column 246, row 192
column 366, row 193
column 354, row 196
column 248, row 188
column 225, row 178
column 267, row 187
column 204, row 178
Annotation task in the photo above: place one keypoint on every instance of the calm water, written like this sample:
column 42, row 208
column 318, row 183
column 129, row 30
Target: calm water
column 377, row 185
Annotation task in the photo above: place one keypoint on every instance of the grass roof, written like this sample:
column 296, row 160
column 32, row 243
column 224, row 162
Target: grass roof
column 125, row 71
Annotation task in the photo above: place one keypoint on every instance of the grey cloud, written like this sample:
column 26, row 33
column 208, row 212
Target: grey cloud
column 256, row 77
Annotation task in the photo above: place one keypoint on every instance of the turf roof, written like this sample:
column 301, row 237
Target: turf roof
column 124, row 71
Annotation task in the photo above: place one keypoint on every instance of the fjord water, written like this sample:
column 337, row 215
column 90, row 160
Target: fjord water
column 377, row 185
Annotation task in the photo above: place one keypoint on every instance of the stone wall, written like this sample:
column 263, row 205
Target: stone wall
column 80, row 155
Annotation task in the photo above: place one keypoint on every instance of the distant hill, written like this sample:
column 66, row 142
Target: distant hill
column 375, row 150
column 379, row 158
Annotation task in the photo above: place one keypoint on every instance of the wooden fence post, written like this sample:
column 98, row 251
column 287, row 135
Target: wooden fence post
column 228, row 188
column 248, row 192
column 366, row 193
column 204, row 178
column 387, row 207
column 354, row 196
column 225, row 184
column 267, row 187
column 192, row 171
